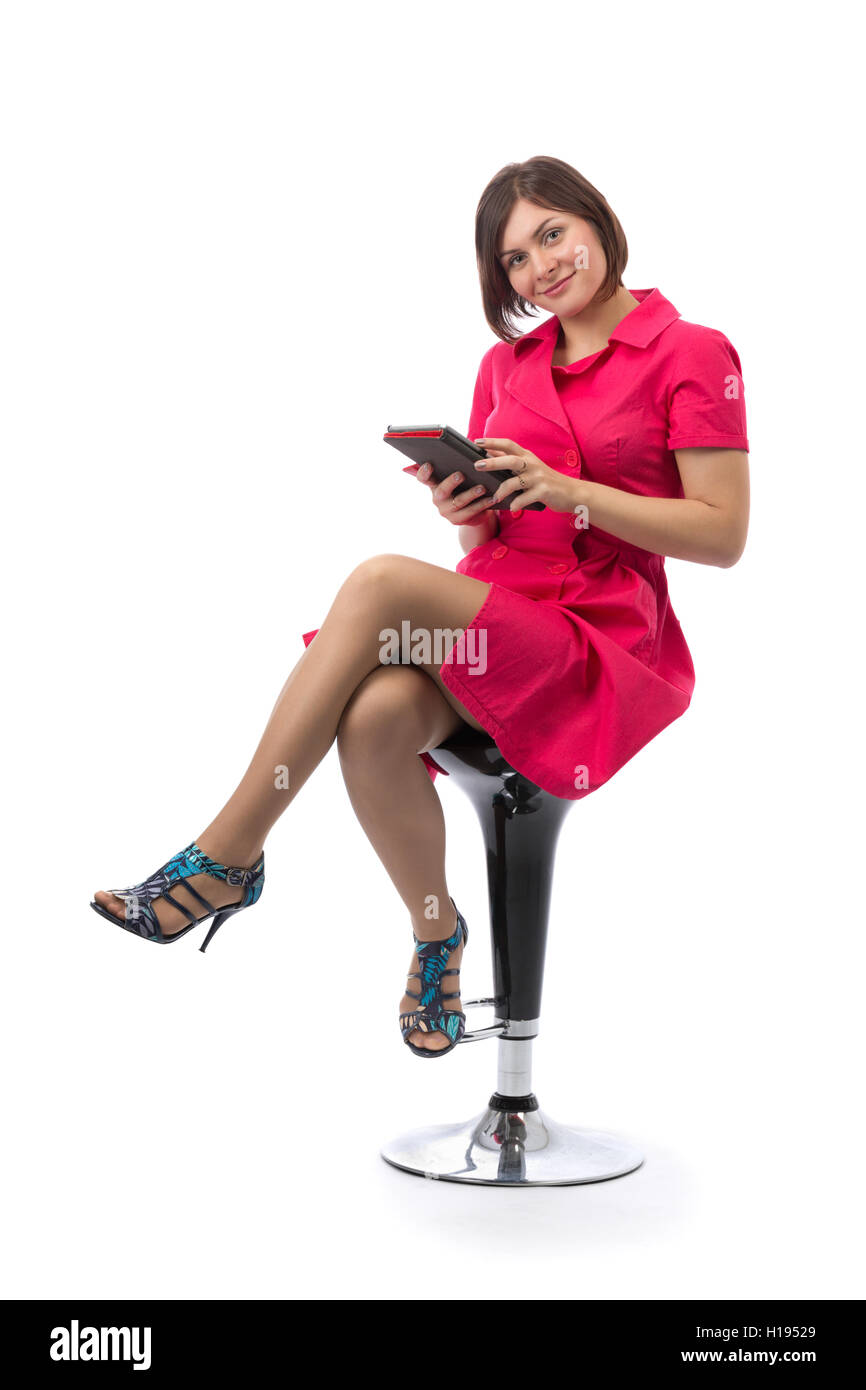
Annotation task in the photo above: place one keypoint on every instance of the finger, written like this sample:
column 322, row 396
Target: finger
column 508, row 503
column 418, row 471
column 467, row 498
column 522, row 500
column 444, row 489
column 501, row 461
column 506, row 445
column 473, row 508
column 524, row 495
column 424, row 471
column 508, row 489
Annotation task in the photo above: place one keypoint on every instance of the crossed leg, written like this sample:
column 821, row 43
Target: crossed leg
column 380, row 593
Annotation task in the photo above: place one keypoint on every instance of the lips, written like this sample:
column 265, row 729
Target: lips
column 557, row 285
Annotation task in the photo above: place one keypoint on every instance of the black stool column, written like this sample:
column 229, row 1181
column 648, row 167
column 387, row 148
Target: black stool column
column 512, row 1143
column 520, row 824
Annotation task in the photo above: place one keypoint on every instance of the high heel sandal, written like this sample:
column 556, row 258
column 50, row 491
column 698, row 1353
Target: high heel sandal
column 431, row 1017
column 140, row 915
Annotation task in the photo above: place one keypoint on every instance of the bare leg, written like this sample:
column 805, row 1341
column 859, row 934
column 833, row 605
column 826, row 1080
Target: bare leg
column 380, row 593
column 394, row 714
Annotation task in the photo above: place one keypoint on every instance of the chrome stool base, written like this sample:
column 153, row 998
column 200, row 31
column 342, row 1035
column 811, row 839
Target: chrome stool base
column 512, row 1144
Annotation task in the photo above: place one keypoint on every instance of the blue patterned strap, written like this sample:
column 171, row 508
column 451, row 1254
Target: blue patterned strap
column 200, row 862
column 429, row 948
column 415, row 975
column 436, row 997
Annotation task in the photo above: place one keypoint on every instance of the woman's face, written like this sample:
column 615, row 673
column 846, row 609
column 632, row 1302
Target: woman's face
column 540, row 246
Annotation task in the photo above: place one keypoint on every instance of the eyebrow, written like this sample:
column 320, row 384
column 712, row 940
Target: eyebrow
column 534, row 235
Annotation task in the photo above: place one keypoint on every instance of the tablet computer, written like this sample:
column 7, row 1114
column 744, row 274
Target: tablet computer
column 447, row 451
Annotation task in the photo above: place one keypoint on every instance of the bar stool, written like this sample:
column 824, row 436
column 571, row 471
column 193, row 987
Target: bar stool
column 512, row 1142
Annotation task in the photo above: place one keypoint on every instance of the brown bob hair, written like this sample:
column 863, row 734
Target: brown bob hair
column 551, row 183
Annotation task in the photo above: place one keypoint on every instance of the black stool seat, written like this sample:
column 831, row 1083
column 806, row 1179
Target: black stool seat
column 512, row 1142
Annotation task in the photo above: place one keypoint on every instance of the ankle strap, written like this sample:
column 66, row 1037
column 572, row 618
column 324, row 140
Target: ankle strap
column 238, row 878
column 430, row 948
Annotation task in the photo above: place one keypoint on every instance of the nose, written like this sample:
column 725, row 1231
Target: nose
column 545, row 269
column 548, row 275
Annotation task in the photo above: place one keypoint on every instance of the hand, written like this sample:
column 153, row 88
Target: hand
column 467, row 508
column 533, row 481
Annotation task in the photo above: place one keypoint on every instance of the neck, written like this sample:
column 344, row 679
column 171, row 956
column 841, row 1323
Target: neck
column 595, row 323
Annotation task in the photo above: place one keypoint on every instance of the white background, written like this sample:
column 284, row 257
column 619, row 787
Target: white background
column 237, row 243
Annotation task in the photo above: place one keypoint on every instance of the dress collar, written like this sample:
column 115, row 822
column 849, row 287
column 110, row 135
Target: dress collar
column 531, row 377
column 638, row 329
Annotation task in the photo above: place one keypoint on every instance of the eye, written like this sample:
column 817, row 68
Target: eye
column 550, row 231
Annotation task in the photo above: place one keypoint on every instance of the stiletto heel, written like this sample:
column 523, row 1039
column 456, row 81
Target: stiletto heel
column 140, row 917
column 217, row 923
column 431, row 1017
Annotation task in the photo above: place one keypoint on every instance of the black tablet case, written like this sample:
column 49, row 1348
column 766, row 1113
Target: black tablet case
column 448, row 450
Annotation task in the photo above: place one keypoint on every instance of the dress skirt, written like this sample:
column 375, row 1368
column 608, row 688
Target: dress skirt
column 575, row 659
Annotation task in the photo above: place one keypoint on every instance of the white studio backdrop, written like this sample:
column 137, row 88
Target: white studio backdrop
column 237, row 244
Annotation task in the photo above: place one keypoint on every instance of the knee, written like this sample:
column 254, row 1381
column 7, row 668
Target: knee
column 379, row 571
column 381, row 709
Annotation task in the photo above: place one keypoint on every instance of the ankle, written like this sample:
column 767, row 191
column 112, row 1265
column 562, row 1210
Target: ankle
column 236, row 854
column 435, row 928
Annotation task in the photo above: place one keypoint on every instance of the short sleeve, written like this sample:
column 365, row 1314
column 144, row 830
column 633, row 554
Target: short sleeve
column 706, row 405
column 482, row 398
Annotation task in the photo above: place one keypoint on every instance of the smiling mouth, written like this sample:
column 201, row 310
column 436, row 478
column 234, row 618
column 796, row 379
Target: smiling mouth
column 557, row 285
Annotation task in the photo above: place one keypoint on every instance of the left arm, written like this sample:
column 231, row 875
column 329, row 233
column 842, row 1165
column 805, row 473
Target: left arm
column 708, row 525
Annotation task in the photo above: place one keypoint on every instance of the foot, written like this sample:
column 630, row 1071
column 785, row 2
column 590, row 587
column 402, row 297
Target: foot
column 214, row 891
column 430, row 931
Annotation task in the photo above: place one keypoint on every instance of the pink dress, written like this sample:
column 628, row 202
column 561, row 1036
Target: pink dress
column 576, row 658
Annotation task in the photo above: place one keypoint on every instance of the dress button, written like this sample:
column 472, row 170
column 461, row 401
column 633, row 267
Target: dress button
column 571, row 458
column 500, row 551
column 517, row 513
column 558, row 568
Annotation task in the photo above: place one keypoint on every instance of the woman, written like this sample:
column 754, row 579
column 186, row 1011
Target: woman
column 628, row 424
